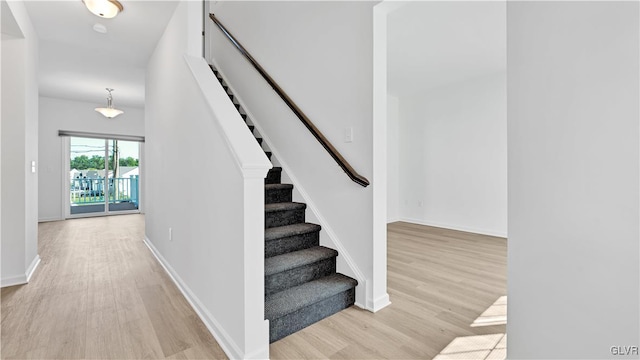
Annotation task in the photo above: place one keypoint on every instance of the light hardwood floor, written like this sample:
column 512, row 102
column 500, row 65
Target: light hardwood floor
column 100, row 294
column 439, row 282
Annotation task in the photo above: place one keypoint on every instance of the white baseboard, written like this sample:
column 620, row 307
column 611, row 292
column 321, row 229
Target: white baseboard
column 32, row 267
column 455, row 227
column 380, row 303
column 23, row 278
column 394, row 219
column 13, row 281
column 48, row 219
column 224, row 340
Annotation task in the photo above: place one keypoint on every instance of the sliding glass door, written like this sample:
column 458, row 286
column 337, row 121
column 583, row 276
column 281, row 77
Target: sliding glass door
column 124, row 175
column 86, row 175
column 104, row 176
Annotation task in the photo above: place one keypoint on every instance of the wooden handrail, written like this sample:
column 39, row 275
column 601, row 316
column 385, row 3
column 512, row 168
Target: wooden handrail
column 344, row 164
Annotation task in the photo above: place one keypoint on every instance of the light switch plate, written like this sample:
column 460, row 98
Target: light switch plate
column 348, row 134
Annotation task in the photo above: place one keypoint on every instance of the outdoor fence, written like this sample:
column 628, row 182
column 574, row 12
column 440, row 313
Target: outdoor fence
column 93, row 191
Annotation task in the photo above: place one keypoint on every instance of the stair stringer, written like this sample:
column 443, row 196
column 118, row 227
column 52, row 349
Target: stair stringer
column 328, row 238
column 344, row 262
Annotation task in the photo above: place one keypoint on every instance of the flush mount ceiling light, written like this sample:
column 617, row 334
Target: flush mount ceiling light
column 109, row 112
column 104, row 8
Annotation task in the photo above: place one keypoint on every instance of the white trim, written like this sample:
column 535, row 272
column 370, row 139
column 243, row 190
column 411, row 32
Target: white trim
column 256, row 327
column 21, row 279
column 380, row 303
column 393, row 219
column 66, row 163
column 92, row 135
column 224, row 340
column 141, row 177
column 32, row 268
column 13, row 281
column 259, row 354
column 377, row 295
column 455, row 227
column 49, row 219
column 247, row 153
column 361, row 289
column 104, row 213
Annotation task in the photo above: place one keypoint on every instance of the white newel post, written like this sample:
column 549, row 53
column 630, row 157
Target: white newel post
column 255, row 326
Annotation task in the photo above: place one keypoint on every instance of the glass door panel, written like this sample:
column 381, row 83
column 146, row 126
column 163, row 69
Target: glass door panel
column 87, row 176
column 124, row 175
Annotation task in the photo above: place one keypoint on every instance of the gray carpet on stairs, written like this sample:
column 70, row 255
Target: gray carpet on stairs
column 290, row 300
column 290, row 230
column 301, row 283
column 295, row 259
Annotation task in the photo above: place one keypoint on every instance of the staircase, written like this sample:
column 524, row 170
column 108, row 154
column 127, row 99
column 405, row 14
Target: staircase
column 301, row 285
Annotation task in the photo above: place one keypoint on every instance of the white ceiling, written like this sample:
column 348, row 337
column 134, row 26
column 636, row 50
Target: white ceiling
column 431, row 44
column 78, row 63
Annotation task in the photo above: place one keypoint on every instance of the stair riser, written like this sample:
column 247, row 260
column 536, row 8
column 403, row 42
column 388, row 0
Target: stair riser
column 273, row 177
column 300, row 275
column 293, row 278
column 298, row 320
column 272, row 196
column 291, row 243
column 282, row 218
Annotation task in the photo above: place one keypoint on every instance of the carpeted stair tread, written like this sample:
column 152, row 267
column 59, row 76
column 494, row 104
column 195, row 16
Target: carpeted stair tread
column 287, row 301
column 278, row 186
column 290, row 230
column 296, row 259
column 301, row 284
column 284, row 206
column 274, row 176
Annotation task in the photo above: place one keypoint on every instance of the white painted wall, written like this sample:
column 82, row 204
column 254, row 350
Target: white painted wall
column 13, row 160
column 3, row 10
column 393, row 158
column 453, row 156
column 216, row 254
column 62, row 114
column 446, row 115
column 325, row 66
column 573, row 148
column 19, row 246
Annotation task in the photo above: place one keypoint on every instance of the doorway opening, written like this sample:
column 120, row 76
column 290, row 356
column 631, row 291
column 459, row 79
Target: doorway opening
column 103, row 177
column 440, row 157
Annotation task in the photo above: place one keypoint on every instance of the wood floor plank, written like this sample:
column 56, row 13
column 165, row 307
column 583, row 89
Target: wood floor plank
column 139, row 340
column 439, row 282
column 167, row 322
column 99, row 293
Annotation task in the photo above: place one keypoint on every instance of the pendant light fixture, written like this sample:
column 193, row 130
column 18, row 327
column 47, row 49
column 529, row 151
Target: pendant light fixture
column 109, row 112
column 104, row 8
